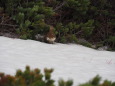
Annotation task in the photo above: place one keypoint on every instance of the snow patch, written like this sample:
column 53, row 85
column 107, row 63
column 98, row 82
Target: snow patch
column 68, row 60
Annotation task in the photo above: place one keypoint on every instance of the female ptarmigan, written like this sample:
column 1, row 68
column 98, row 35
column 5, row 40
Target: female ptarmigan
column 50, row 36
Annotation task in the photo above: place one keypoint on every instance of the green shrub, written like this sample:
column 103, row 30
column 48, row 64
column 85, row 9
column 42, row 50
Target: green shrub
column 72, row 19
column 78, row 8
column 72, row 38
column 29, row 14
column 61, row 82
column 34, row 77
column 28, row 77
column 63, row 39
column 111, row 39
column 85, row 43
column 111, row 43
column 87, row 28
column 96, row 82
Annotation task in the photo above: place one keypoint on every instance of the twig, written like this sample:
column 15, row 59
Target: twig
column 9, row 25
column 64, row 2
column 78, row 32
column 7, row 20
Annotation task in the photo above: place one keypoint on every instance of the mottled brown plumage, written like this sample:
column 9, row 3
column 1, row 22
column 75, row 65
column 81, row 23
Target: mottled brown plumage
column 50, row 36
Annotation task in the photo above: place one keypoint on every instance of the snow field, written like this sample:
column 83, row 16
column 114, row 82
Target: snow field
column 70, row 61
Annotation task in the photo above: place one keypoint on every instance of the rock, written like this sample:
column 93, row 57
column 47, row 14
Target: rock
column 82, row 40
column 103, row 48
column 40, row 37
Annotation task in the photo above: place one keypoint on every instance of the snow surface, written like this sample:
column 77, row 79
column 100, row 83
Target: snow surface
column 70, row 61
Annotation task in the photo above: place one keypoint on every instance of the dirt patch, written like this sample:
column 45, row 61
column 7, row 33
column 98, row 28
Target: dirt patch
column 8, row 32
